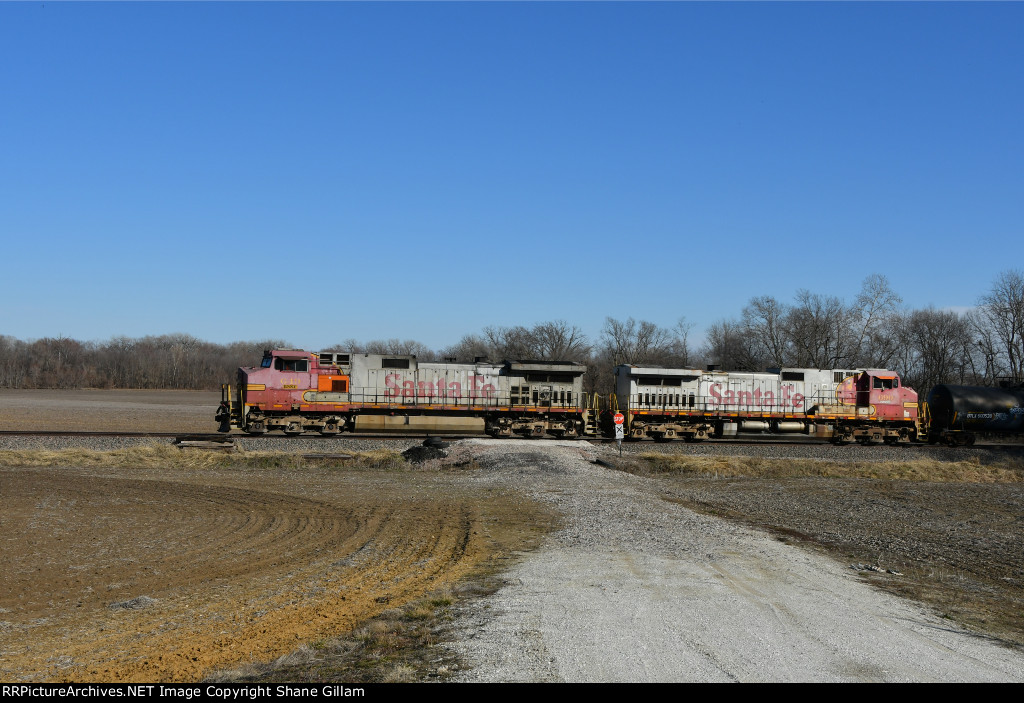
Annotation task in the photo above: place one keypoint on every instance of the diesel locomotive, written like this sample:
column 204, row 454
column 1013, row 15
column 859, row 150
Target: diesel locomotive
column 296, row 391
column 330, row 392
column 843, row 405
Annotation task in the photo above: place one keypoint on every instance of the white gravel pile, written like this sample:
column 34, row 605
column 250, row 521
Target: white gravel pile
column 635, row 588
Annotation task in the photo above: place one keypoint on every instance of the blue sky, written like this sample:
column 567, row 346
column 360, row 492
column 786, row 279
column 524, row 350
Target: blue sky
column 323, row 171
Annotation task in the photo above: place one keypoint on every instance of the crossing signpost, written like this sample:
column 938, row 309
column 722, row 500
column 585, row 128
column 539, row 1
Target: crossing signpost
column 619, row 420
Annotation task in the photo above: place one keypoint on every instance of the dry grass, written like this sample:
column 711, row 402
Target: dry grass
column 970, row 471
column 157, row 455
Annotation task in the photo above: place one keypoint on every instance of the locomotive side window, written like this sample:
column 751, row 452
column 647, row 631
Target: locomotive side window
column 293, row 365
column 883, row 383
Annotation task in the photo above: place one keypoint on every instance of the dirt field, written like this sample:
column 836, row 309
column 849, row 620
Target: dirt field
column 109, row 411
column 133, row 574
column 144, row 576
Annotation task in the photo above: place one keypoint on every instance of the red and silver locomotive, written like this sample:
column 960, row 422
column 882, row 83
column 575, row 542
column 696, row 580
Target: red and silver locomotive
column 298, row 391
column 330, row 392
column 866, row 405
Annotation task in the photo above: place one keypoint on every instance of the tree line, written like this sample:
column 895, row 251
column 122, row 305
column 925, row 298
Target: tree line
column 983, row 346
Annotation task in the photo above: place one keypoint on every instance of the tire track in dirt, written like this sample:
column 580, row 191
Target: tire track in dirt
column 234, row 573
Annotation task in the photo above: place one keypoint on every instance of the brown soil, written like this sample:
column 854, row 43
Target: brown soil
column 108, row 411
column 223, row 567
column 144, row 574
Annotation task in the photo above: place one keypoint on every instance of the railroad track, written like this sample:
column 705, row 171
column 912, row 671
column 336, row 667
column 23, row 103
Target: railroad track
column 217, row 437
column 392, row 436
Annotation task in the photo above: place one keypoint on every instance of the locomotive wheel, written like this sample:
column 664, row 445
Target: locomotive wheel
column 293, row 428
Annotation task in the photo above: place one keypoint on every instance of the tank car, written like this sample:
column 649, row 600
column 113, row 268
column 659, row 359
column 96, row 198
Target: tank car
column 959, row 414
column 865, row 405
column 297, row 391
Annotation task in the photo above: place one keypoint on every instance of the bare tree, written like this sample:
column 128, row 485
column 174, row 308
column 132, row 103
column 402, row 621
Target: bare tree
column 397, row 346
column 632, row 342
column 1003, row 312
column 559, row 341
column 509, row 343
column 679, row 347
column 729, row 346
column 468, row 348
column 556, row 340
column 764, row 324
column 871, row 315
column 937, row 348
column 819, row 328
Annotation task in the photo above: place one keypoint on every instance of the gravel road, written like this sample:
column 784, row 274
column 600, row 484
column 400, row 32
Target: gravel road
column 634, row 588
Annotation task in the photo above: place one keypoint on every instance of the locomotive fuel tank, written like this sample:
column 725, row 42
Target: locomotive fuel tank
column 976, row 409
